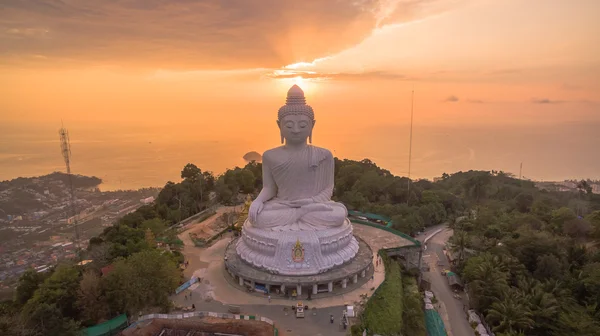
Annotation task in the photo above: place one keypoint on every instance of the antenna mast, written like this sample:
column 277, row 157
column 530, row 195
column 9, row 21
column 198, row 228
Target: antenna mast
column 521, row 171
column 412, row 104
column 65, row 147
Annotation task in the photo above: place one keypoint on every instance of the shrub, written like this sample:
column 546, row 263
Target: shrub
column 383, row 312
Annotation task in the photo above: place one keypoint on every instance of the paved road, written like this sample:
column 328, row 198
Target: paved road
column 429, row 231
column 288, row 325
column 452, row 311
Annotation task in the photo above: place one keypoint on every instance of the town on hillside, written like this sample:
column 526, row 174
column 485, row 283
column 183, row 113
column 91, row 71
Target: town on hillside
column 37, row 223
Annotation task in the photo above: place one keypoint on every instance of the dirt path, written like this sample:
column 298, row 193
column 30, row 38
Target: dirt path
column 192, row 254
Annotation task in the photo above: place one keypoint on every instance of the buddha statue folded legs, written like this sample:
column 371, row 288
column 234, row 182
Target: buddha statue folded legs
column 281, row 217
column 293, row 226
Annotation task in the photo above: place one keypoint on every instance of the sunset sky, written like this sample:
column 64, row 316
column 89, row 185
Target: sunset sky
column 228, row 64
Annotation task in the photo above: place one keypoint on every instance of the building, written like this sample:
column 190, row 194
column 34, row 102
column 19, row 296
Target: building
column 147, row 200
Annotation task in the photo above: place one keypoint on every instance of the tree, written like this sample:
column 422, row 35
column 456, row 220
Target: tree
column 95, row 241
column 60, row 290
column 476, row 186
column 542, row 208
column 191, row 172
column 530, row 245
column 523, row 202
column 156, row 225
column 354, row 200
column 246, row 181
column 544, row 306
column 408, row 224
column 100, row 254
column 577, row 228
column 53, row 310
column 548, row 267
column 413, row 317
column 145, row 279
column 90, row 298
column 28, row 283
column 47, row 319
column 10, row 323
column 594, row 220
column 511, row 314
column 124, row 241
column 560, row 217
column 460, row 240
column 590, row 279
column 584, row 186
column 150, row 238
column 429, row 196
column 488, row 279
column 224, row 193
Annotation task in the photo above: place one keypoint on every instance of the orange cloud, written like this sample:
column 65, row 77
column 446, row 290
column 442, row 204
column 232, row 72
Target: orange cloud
column 186, row 34
column 346, row 76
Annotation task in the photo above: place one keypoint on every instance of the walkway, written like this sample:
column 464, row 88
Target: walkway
column 214, row 293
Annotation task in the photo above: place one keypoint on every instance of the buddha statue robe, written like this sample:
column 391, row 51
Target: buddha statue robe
column 304, row 175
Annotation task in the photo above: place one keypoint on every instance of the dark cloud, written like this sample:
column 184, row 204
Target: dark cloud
column 546, row 101
column 505, row 72
column 475, row 101
column 189, row 33
column 451, row 99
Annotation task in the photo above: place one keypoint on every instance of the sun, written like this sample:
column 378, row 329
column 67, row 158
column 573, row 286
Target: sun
column 298, row 80
column 284, row 79
column 305, row 84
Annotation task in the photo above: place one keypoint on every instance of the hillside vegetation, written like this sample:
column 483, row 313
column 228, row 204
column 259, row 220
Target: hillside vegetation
column 529, row 256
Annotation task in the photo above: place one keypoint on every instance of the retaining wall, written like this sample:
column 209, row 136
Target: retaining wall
column 206, row 314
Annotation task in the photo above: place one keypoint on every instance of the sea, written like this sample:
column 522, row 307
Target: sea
column 134, row 156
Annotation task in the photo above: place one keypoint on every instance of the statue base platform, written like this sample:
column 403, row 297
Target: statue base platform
column 336, row 281
column 295, row 253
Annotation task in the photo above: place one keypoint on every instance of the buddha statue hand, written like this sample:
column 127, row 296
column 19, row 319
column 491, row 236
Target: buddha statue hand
column 255, row 208
column 316, row 207
column 301, row 202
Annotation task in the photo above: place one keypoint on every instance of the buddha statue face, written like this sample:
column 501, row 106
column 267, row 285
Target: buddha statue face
column 295, row 128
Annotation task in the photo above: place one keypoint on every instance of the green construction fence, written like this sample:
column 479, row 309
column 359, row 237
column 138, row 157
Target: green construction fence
column 108, row 328
column 434, row 323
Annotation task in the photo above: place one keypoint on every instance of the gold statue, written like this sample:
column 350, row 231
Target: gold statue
column 244, row 214
column 298, row 252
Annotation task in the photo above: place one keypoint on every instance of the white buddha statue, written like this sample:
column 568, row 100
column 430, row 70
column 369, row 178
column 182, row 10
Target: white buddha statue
column 297, row 177
column 294, row 209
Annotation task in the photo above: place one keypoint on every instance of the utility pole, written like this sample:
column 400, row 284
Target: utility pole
column 412, row 104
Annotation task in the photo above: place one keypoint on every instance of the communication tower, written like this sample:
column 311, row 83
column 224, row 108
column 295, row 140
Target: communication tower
column 65, row 147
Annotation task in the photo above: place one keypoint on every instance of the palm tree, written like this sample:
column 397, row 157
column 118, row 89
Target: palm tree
column 488, row 281
column 459, row 241
column 544, row 306
column 511, row 314
column 514, row 268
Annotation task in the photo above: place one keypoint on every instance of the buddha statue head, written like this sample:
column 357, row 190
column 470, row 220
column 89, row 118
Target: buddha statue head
column 296, row 119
